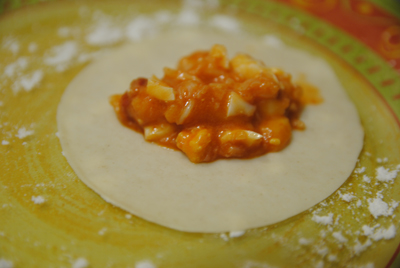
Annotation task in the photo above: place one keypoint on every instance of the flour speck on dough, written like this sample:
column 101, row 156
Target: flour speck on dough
column 80, row 263
column 145, row 264
column 234, row 234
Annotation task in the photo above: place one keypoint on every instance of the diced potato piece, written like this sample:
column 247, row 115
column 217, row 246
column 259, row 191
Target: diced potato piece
column 194, row 143
column 247, row 137
column 262, row 87
column 275, row 141
column 142, row 109
column 186, row 111
column 274, row 76
column 283, row 78
column 186, row 76
column 246, row 66
column 172, row 113
column 201, row 139
column 189, row 89
column 178, row 114
column 238, row 106
column 273, row 73
column 160, row 90
column 156, row 132
column 219, row 52
column 278, row 131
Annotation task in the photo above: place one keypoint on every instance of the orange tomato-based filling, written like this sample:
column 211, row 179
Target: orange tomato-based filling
column 210, row 107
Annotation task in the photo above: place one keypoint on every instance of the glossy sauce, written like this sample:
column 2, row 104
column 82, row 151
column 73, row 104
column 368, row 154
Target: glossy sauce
column 212, row 108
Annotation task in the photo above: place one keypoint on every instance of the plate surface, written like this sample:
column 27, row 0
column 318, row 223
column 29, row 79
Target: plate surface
column 49, row 218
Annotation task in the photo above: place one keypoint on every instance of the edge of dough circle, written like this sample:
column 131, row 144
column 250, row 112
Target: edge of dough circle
column 163, row 186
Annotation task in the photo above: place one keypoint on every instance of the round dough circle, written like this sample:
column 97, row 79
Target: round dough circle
column 163, row 186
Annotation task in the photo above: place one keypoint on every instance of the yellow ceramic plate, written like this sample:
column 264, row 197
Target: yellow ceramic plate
column 49, row 218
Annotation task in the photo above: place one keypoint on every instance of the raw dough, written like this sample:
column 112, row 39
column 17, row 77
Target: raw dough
column 163, row 186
